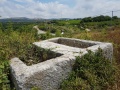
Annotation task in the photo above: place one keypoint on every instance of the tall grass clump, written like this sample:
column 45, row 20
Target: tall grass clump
column 91, row 72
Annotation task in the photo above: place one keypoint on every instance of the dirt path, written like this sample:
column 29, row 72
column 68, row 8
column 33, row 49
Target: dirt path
column 39, row 31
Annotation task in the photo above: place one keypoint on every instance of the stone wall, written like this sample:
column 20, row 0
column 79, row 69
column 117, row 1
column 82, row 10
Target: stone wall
column 49, row 74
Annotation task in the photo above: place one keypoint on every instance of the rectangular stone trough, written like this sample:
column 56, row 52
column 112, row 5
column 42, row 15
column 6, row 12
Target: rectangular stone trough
column 49, row 74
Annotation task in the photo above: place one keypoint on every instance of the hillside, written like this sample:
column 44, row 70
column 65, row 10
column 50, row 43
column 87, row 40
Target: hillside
column 17, row 38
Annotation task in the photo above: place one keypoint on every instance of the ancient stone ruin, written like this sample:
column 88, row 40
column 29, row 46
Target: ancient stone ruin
column 49, row 74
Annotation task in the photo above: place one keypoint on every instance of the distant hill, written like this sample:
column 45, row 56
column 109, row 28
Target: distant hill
column 24, row 19
column 21, row 19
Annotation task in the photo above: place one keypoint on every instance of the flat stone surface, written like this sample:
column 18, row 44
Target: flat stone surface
column 49, row 74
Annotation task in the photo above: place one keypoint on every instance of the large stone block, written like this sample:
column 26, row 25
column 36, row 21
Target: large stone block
column 49, row 74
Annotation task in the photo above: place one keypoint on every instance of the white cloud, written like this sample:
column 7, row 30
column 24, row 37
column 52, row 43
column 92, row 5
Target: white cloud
column 37, row 9
column 2, row 1
column 96, row 7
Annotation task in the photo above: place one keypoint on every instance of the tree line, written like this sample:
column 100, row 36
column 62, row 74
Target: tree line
column 99, row 18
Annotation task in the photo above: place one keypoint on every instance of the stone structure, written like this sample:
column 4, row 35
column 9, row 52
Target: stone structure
column 49, row 74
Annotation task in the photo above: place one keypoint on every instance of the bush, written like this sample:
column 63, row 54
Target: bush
column 44, row 28
column 58, row 33
column 4, row 71
column 45, row 36
column 91, row 72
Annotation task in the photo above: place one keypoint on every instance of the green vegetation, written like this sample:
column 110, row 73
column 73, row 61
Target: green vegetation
column 45, row 36
column 99, row 18
column 4, row 71
column 91, row 72
column 16, row 40
column 100, row 22
column 59, row 26
column 13, row 43
column 34, row 55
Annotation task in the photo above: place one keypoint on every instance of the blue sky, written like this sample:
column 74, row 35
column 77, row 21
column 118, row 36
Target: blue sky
column 57, row 8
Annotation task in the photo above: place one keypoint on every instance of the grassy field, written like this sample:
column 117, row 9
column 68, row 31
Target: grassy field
column 15, row 40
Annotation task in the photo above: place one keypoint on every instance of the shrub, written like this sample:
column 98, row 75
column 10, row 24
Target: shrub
column 4, row 71
column 58, row 33
column 91, row 72
column 45, row 36
column 43, row 28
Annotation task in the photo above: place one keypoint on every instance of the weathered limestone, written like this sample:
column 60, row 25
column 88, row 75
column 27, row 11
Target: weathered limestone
column 49, row 74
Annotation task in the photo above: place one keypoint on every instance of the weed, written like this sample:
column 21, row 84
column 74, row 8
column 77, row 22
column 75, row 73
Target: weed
column 34, row 55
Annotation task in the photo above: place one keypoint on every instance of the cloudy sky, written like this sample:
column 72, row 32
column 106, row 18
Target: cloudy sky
column 57, row 8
